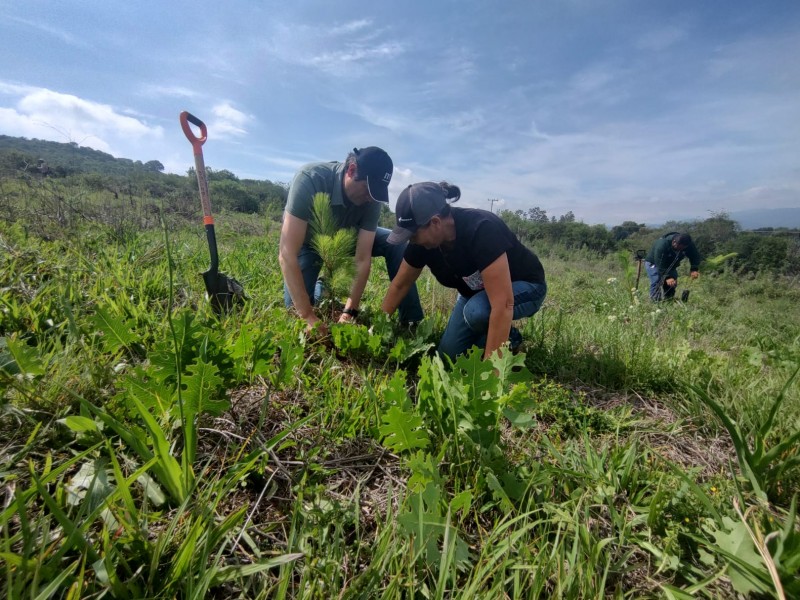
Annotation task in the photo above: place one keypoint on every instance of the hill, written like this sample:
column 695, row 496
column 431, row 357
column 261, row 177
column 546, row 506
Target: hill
column 66, row 158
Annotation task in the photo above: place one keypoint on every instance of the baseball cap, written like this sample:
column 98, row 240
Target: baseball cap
column 416, row 206
column 376, row 167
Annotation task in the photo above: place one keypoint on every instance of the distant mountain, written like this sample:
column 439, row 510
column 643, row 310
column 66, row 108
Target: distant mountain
column 758, row 218
column 66, row 158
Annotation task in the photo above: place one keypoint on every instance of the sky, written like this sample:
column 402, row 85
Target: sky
column 615, row 110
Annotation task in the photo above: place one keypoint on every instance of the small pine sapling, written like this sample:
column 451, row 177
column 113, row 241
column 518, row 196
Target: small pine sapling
column 335, row 247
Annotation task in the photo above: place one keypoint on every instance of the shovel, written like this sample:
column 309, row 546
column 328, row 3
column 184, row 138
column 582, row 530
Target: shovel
column 640, row 254
column 223, row 291
column 685, row 293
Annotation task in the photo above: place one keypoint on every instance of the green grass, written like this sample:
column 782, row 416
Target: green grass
column 153, row 450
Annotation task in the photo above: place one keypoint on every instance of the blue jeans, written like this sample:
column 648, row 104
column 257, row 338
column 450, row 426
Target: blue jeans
column 469, row 321
column 659, row 290
column 410, row 308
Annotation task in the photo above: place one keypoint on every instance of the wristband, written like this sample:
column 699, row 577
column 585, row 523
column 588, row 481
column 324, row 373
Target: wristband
column 353, row 312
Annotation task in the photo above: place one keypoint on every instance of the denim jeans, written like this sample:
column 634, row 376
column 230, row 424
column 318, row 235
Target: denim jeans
column 469, row 321
column 659, row 290
column 410, row 309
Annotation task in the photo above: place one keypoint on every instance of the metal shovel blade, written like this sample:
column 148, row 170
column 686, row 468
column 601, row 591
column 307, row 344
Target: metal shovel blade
column 685, row 296
column 224, row 292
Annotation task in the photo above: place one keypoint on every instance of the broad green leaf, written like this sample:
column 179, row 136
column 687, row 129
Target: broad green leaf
column 402, row 431
column 510, row 367
column 201, row 384
column 291, row 357
column 394, row 393
column 152, row 393
column 26, row 360
column 423, row 472
column 425, row 522
column 79, row 424
column 461, row 502
column 747, row 570
column 117, row 331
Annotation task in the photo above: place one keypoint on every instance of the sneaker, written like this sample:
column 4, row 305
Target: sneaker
column 514, row 339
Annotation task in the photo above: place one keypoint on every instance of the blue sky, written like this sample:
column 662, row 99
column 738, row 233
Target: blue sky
column 614, row 110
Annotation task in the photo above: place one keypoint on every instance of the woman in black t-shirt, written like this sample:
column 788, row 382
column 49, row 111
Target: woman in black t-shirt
column 497, row 278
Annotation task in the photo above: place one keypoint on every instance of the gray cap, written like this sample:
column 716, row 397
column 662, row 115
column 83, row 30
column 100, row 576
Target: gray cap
column 416, row 206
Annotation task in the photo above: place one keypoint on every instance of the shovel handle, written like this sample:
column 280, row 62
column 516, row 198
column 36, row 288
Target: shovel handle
column 199, row 164
column 197, row 142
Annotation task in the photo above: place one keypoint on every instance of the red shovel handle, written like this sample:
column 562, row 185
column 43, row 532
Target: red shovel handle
column 197, row 142
column 199, row 164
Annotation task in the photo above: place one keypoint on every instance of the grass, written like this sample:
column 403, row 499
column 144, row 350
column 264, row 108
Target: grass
column 163, row 452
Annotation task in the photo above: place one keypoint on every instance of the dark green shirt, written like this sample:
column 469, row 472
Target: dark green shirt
column 662, row 255
column 328, row 177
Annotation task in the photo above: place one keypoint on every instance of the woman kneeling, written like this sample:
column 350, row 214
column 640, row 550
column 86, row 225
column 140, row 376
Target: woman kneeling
column 498, row 279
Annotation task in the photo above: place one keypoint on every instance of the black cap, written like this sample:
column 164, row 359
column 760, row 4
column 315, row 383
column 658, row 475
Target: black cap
column 376, row 167
column 416, row 206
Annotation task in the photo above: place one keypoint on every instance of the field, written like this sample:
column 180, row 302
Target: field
column 151, row 449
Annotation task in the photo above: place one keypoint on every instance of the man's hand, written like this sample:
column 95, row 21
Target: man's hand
column 671, row 282
column 314, row 325
column 694, row 274
column 347, row 318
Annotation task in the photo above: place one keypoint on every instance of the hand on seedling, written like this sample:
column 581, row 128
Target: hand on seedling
column 317, row 328
column 694, row 274
column 671, row 282
column 347, row 318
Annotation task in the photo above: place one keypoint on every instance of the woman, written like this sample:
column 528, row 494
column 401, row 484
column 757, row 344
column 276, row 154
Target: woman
column 497, row 278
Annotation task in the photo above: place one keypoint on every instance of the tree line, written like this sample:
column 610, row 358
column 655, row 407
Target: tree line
column 775, row 250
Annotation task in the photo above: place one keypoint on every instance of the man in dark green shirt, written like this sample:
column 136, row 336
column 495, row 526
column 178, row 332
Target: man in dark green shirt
column 356, row 188
column 662, row 263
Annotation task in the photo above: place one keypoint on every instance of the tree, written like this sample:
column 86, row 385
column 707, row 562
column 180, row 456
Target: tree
column 536, row 214
column 335, row 247
column 628, row 228
column 153, row 166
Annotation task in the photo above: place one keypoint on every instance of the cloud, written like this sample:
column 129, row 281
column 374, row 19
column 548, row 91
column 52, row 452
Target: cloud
column 46, row 114
column 228, row 122
column 60, row 34
column 345, row 49
column 167, row 91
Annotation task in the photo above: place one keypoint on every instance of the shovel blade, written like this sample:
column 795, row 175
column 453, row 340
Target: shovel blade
column 224, row 292
column 685, row 296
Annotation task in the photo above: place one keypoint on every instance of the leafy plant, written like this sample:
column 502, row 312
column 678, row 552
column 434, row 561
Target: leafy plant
column 335, row 247
column 763, row 465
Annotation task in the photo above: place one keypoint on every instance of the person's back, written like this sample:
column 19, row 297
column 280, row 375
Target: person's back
column 662, row 262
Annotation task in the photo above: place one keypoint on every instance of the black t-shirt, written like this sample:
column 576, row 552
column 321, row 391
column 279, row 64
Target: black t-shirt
column 481, row 238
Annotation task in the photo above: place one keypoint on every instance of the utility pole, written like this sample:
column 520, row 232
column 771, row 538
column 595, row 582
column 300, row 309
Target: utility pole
column 491, row 202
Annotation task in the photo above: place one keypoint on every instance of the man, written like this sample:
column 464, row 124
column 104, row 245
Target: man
column 662, row 263
column 356, row 188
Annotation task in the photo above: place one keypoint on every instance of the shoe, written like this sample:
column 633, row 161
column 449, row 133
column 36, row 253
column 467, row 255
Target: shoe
column 409, row 325
column 514, row 339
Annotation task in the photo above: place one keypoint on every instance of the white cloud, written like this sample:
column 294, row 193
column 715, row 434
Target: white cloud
column 58, row 33
column 167, row 91
column 45, row 114
column 333, row 49
column 228, row 122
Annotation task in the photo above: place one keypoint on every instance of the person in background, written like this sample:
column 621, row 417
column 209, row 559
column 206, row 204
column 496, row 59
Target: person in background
column 356, row 189
column 661, row 263
column 472, row 250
